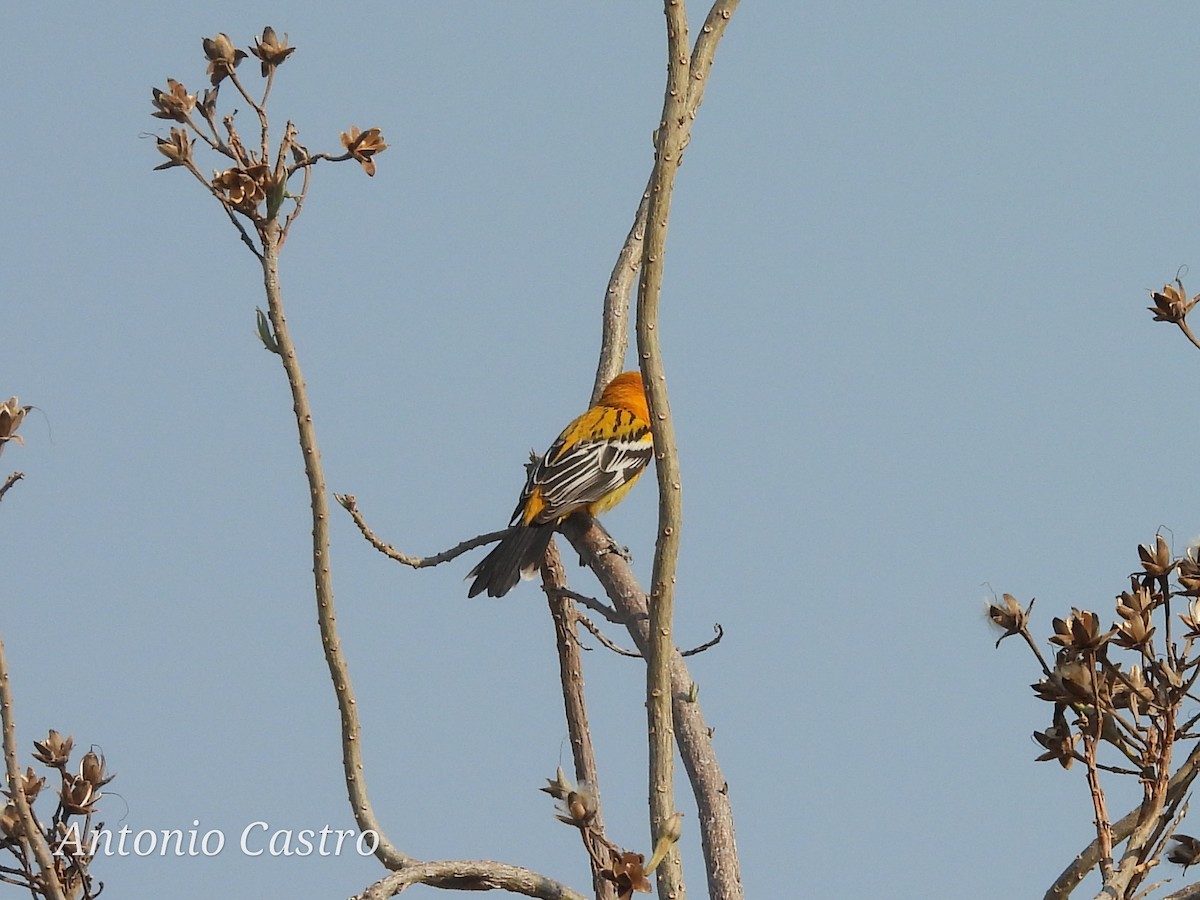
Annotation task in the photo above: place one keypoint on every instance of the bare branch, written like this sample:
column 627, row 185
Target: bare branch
column 339, row 672
column 471, row 875
column 9, row 482
column 621, row 651
column 605, row 640
column 570, row 670
column 350, row 504
column 707, row 644
column 670, row 140
column 615, row 339
column 594, row 605
column 1191, row 892
column 692, row 733
column 1087, row 858
column 31, row 835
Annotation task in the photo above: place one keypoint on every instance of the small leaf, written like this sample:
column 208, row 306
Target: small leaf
column 264, row 331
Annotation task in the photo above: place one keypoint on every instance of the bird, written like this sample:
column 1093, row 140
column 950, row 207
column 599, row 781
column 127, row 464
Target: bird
column 590, row 466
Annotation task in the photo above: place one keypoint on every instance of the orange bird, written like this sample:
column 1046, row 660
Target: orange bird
column 591, row 466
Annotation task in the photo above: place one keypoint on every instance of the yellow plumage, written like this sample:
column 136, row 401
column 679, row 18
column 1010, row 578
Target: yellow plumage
column 590, row 466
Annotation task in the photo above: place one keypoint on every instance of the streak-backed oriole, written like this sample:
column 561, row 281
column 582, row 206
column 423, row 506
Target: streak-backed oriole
column 591, row 466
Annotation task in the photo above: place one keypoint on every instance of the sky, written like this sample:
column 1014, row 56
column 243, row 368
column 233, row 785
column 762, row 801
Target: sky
column 908, row 357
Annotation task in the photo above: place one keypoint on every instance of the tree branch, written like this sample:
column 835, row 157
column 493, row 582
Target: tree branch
column 31, row 836
column 692, row 733
column 615, row 337
column 669, row 144
column 339, row 672
column 1089, row 856
column 9, row 482
column 570, row 671
column 348, row 502
column 470, row 875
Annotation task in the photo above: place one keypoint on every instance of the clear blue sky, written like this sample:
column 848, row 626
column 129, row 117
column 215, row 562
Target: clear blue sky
column 908, row 357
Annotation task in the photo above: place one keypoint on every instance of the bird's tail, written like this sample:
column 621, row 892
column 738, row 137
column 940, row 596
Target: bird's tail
column 519, row 553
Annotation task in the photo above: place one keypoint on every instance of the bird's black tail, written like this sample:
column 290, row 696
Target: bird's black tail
column 520, row 552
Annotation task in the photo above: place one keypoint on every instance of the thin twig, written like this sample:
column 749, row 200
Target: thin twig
column 615, row 648
column 1091, row 739
column 594, row 605
column 605, row 640
column 1183, row 326
column 311, row 160
column 9, row 482
column 707, row 644
column 350, row 504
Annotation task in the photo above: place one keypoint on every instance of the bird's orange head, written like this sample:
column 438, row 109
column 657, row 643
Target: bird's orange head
column 627, row 392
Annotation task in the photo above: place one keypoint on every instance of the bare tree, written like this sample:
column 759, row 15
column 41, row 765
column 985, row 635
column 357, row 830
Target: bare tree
column 255, row 192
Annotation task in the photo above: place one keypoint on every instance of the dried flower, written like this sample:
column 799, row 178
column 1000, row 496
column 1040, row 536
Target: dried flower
column 12, row 413
column 54, row 751
column 1131, row 691
column 174, row 103
column 1007, row 614
column 1135, row 608
column 177, row 149
column 1186, row 851
column 10, row 822
column 270, row 50
column 1080, row 631
column 223, row 57
column 1171, row 303
column 1071, row 683
column 244, row 188
column 1191, row 618
column 1188, row 572
column 91, row 770
column 31, row 785
column 627, row 873
column 208, row 103
column 1156, row 562
column 363, row 145
column 1059, row 742
column 577, row 803
column 79, row 796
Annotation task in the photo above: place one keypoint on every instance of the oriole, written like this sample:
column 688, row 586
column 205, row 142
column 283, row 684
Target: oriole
column 591, row 466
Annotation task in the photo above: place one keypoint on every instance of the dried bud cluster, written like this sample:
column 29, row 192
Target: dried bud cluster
column 1126, row 717
column 78, row 794
column 255, row 185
